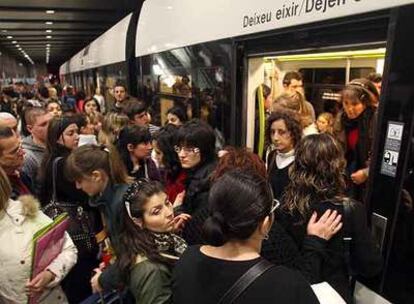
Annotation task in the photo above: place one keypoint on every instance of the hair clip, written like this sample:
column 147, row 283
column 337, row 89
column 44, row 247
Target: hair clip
column 105, row 148
column 133, row 190
column 128, row 209
column 358, row 84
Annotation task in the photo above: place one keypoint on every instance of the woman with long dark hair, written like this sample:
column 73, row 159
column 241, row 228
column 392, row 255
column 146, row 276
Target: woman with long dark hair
column 197, row 155
column 148, row 248
column 173, row 174
column 62, row 139
column 317, row 184
column 177, row 116
column 134, row 146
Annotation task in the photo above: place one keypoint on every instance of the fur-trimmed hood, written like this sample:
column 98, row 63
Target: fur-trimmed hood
column 26, row 206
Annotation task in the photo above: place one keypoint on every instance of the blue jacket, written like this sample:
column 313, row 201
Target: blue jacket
column 109, row 203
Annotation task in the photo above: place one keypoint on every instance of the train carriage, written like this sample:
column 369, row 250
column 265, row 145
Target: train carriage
column 212, row 56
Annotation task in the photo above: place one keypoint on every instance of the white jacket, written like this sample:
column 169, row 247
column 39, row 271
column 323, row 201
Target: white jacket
column 18, row 223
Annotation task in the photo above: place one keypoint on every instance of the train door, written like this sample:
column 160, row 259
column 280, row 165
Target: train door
column 383, row 40
column 324, row 75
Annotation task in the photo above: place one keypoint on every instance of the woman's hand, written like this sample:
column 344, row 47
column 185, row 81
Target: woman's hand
column 179, row 199
column 180, row 220
column 38, row 284
column 95, row 281
column 359, row 177
column 327, row 226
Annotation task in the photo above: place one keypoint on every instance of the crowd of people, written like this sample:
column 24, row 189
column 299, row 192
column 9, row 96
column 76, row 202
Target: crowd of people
column 159, row 214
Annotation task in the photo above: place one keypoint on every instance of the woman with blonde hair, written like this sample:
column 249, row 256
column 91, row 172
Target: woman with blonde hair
column 112, row 124
column 19, row 220
column 325, row 123
column 296, row 103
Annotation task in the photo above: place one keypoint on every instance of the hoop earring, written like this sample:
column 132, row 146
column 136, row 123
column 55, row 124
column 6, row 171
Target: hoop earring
column 266, row 237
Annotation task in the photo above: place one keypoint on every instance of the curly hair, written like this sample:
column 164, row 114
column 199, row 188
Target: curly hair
column 292, row 123
column 240, row 158
column 317, row 173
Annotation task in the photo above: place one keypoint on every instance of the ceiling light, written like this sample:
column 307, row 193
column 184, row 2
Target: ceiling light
column 17, row 45
column 48, row 37
column 4, row 31
column 14, row 41
column 49, row 22
column 9, row 37
column 48, row 31
column 20, row 64
column 50, row 12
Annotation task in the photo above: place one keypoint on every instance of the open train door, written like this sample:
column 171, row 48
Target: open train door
column 393, row 220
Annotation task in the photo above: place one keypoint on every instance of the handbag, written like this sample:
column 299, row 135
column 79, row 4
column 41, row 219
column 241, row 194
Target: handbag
column 245, row 281
column 80, row 220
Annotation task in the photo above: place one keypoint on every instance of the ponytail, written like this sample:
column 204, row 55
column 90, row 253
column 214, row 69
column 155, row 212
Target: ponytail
column 88, row 158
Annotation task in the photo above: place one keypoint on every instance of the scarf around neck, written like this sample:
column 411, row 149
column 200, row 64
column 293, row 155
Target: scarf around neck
column 170, row 243
column 284, row 159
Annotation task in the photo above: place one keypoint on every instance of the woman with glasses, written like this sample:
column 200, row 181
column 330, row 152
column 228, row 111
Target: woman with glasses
column 284, row 132
column 197, row 155
column 240, row 217
column 317, row 184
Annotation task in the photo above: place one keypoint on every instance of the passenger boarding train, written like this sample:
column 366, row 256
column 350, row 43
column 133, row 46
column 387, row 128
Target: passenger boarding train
column 213, row 55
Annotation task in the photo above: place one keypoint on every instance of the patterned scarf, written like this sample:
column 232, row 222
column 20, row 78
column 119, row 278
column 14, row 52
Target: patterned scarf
column 170, row 243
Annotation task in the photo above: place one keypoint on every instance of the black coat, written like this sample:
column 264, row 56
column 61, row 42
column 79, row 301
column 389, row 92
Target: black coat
column 76, row 283
column 196, row 201
column 364, row 256
column 357, row 158
column 65, row 189
column 281, row 249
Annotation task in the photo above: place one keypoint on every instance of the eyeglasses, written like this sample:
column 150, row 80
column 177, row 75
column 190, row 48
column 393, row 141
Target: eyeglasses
column 275, row 205
column 187, row 150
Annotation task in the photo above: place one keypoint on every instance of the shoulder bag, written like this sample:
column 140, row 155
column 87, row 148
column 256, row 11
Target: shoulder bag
column 80, row 220
column 245, row 281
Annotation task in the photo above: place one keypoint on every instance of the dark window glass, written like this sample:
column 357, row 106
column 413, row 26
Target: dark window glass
column 196, row 78
column 360, row 72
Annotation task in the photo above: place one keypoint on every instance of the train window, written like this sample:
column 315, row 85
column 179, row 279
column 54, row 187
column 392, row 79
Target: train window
column 108, row 76
column 197, row 78
column 324, row 76
column 361, row 72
